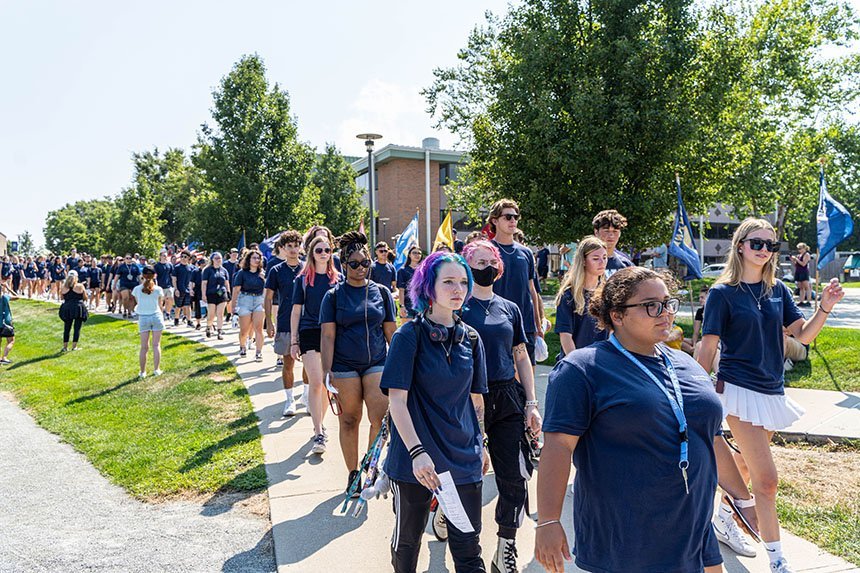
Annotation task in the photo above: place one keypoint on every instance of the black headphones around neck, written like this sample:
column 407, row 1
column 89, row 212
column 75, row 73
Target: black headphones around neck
column 439, row 333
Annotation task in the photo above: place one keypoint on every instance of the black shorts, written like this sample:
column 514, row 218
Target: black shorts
column 182, row 300
column 215, row 298
column 309, row 339
column 7, row 331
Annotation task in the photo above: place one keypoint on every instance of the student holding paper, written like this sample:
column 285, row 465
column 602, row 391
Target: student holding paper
column 435, row 377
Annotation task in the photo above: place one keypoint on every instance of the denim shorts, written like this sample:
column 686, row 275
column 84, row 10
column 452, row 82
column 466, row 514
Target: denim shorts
column 339, row 371
column 150, row 322
column 249, row 303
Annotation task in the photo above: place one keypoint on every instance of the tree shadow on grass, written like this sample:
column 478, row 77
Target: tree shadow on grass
column 33, row 360
column 204, row 456
column 212, row 369
column 179, row 341
column 101, row 393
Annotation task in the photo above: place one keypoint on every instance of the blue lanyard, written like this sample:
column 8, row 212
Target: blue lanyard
column 677, row 402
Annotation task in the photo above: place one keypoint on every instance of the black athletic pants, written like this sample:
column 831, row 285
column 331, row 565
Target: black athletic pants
column 411, row 510
column 504, row 419
column 67, row 327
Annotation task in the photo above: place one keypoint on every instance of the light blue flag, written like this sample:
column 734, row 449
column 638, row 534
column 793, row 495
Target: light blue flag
column 682, row 246
column 834, row 223
column 408, row 237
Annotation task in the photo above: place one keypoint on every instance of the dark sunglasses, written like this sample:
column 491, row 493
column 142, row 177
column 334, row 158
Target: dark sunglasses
column 321, row 250
column 511, row 216
column 382, row 250
column 759, row 244
column 355, row 264
column 654, row 308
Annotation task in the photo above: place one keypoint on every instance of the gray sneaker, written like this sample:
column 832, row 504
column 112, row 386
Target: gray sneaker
column 781, row 566
column 319, row 444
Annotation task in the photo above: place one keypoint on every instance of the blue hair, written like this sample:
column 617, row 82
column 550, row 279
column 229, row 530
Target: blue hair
column 422, row 287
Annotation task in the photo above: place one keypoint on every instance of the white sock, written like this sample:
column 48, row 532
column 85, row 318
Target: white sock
column 774, row 550
column 725, row 512
column 289, row 394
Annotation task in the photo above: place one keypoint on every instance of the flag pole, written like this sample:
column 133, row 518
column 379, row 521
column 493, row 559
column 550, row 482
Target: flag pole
column 818, row 247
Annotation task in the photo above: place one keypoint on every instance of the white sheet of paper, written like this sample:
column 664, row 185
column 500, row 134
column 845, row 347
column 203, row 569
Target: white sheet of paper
column 329, row 385
column 451, row 504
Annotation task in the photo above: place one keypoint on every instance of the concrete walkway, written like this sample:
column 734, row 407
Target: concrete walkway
column 307, row 491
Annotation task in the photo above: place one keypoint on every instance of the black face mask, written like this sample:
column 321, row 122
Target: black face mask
column 486, row 276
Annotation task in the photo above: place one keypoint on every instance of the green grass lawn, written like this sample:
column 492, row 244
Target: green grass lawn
column 834, row 360
column 190, row 431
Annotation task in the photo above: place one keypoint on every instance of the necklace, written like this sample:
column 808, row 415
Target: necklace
column 486, row 308
column 757, row 299
column 507, row 252
column 293, row 268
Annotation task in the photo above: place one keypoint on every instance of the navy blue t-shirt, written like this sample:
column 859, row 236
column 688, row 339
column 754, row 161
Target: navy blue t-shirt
column 84, row 275
column 280, row 279
column 616, row 262
column 383, row 274
column 514, row 283
column 31, row 271
column 124, row 272
column 248, row 282
column 216, row 280
column 543, row 258
column 627, row 483
column 95, row 277
column 231, row 268
column 501, row 330
column 58, row 272
column 197, row 280
column 72, row 263
column 310, row 297
column 439, row 402
column 163, row 274
column 183, row 277
column 404, row 277
column 751, row 346
column 582, row 327
column 360, row 312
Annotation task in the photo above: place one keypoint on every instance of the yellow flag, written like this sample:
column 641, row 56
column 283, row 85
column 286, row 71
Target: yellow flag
column 445, row 234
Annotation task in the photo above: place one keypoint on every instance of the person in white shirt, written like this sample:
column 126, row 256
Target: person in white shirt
column 150, row 321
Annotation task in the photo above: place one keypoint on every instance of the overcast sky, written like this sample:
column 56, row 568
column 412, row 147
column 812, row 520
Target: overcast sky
column 86, row 84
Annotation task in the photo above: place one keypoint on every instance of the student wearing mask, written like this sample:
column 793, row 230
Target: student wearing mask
column 747, row 309
column 249, row 282
column 510, row 404
column 517, row 284
column 404, row 279
column 382, row 272
column 182, row 287
column 607, row 226
column 216, row 294
column 576, row 327
column 73, row 311
column 436, row 377
column 164, row 279
column 128, row 273
column 318, row 276
column 150, row 323
column 356, row 320
column 279, row 283
column 630, row 406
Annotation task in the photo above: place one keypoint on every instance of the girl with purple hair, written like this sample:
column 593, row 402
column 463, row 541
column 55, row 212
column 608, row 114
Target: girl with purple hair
column 435, row 377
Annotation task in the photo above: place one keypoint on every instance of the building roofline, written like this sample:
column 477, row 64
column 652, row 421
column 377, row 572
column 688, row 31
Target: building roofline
column 392, row 151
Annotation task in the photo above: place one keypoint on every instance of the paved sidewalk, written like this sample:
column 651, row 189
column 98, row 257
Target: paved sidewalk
column 306, row 493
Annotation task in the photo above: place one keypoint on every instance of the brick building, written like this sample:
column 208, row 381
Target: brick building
column 404, row 177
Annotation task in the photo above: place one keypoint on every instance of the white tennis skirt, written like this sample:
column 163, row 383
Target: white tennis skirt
column 773, row 412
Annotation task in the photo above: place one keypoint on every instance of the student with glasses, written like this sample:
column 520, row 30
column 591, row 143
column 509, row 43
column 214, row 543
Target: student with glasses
column 249, row 282
column 518, row 283
column 382, row 272
column 746, row 311
column 357, row 320
column 643, row 423
column 318, row 276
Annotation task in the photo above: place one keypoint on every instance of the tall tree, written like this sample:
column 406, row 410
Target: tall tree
column 137, row 226
column 25, row 244
column 340, row 200
column 257, row 171
column 84, row 225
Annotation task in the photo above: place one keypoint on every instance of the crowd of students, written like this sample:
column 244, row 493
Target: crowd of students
column 457, row 379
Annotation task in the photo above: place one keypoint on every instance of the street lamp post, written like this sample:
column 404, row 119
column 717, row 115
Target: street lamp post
column 369, row 138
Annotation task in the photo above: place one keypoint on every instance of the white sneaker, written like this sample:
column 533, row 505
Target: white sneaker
column 142, row 375
column 301, row 401
column 319, row 444
column 158, row 373
column 787, row 365
column 505, row 559
column 728, row 533
column 289, row 409
column 781, row 566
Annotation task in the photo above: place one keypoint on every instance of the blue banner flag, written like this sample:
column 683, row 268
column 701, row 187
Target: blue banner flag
column 682, row 246
column 241, row 242
column 267, row 247
column 408, row 237
column 834, row 223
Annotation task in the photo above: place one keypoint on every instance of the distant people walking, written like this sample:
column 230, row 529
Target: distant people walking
column 248, row 285
column 801, row 274
column 128, row 273
column 182, row 287
column 164, row 279
column 73, row 310
column 404, row 279
column 58, row 276
column 382, row 272
column 150, row 320
column 216, row 294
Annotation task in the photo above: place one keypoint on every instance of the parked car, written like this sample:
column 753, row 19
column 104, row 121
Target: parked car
column 851, row 268
column 714, row 270
column 786, row 272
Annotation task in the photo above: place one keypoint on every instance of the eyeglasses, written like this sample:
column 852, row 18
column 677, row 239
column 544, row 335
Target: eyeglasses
column 759, row 244
column 355, row 264
column 511, row 216
column 654, row 308
column 321, row 250
column 382, row 250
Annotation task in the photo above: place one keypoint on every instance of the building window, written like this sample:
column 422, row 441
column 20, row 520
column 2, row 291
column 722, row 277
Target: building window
column 448, row 173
